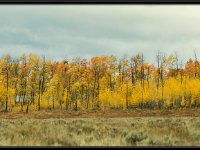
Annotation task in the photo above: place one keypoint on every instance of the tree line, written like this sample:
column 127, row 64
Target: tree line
column 34, row 83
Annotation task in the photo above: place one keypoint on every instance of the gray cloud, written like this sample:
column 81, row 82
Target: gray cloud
column 79, row 30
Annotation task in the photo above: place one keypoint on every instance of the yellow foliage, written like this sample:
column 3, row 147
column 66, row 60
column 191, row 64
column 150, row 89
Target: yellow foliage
column 102, row 80
column 183, row 102
column 105, row 97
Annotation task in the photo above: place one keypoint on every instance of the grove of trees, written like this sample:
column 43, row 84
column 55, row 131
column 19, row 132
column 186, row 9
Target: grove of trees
column 34, row 83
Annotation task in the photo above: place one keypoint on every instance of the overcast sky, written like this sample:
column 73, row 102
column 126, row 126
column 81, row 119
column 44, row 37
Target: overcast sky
column 60, row 31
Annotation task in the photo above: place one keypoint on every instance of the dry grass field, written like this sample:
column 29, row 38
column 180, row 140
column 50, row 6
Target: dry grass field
column 191, row 112
column 110, row 130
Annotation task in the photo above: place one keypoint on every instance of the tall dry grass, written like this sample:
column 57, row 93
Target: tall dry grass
column 149, row 131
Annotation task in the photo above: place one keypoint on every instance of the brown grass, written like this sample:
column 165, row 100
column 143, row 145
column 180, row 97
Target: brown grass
column 147, row 131
column 113, row 128
column 111, row 114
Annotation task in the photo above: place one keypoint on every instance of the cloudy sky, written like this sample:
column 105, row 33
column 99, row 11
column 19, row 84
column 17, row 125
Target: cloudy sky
column 60, row 31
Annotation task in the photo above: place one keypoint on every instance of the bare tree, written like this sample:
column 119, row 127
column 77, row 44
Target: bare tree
column 196, row 64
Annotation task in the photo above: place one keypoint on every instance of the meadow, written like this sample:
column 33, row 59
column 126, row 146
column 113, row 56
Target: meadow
column 100, row 130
